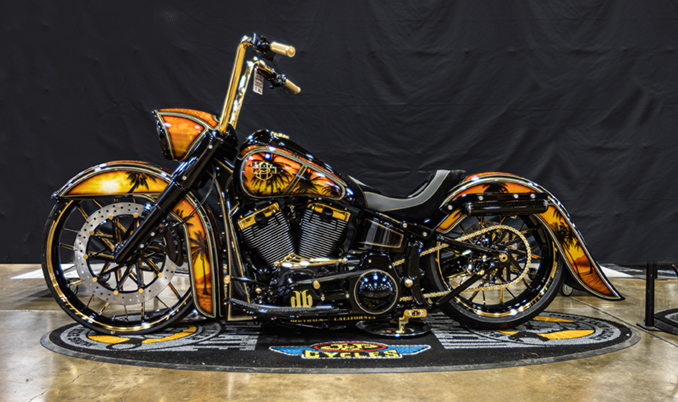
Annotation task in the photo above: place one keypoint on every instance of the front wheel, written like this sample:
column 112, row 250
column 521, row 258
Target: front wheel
column 145, row 295
column 514, row 289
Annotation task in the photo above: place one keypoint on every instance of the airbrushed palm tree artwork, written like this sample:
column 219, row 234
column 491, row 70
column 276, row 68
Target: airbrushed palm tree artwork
column 119, row 180
column 199, row 250
column 570, row 241
column 138, row 180
column 113, row 182
column 271, row 174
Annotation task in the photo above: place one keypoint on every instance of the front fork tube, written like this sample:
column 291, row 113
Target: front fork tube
column 184, row 179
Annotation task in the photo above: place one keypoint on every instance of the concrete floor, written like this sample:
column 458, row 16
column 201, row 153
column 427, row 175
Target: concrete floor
column 647, row 371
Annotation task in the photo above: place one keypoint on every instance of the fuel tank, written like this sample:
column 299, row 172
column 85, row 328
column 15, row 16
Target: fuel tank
column 271, row 165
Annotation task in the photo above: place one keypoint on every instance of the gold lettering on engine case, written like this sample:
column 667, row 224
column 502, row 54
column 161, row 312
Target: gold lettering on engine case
column 301, row 299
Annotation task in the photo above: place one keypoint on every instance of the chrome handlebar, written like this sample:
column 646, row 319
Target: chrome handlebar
column 239, row 78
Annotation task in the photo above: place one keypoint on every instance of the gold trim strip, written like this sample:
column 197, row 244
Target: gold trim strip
column 237, row 266
column 223, row 165
column 164, row 130
column 295, row 180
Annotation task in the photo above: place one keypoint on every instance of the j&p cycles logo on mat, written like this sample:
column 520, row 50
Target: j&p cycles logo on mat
column 351, row 350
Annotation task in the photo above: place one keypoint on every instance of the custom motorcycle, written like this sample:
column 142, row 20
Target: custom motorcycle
column 266, row 231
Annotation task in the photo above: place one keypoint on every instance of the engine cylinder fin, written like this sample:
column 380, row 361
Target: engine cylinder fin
column 271, row 241
column 320, row 235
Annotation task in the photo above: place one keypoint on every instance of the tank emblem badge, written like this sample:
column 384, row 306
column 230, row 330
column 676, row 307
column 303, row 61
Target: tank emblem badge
column 264, row 171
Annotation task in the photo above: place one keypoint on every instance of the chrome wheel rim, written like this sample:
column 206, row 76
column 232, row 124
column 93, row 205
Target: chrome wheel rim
column 454, row 268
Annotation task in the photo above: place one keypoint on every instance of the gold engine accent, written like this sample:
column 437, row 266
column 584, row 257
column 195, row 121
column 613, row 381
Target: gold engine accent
column 336, row 213
column 250, row 220
column 419, row 313
column 295, row 261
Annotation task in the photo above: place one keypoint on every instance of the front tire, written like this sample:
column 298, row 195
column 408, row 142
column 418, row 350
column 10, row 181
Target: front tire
column 502, row 307
column 79, row 238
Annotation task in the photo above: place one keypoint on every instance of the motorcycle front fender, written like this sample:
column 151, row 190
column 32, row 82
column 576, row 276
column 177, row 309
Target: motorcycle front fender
column 143, row 179
column 583, row 269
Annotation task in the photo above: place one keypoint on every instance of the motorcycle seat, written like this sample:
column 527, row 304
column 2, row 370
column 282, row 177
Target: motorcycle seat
column 419, row 204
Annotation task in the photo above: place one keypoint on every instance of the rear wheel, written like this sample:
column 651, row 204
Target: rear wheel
column 514, row 289
column 145, row 295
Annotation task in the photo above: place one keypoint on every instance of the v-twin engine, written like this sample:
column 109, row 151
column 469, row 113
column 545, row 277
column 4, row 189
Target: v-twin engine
column 275, row 234
column 295, row 242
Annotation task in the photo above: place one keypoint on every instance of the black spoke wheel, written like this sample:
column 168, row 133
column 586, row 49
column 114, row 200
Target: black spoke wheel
column 146, row 294
column 512, row 291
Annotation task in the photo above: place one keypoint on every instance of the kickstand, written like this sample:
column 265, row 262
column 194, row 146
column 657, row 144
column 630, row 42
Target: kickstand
column 402, row 321
column 405, row 328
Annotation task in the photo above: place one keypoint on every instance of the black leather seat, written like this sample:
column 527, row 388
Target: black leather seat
column 420, row 203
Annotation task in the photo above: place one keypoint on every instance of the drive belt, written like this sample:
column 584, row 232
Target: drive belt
column 471, row 236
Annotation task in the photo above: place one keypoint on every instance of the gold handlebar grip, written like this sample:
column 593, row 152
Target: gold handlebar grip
column 292, row 87
column 285, row 50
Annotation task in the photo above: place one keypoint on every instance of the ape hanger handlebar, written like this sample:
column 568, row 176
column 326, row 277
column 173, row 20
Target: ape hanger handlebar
column 237, row 87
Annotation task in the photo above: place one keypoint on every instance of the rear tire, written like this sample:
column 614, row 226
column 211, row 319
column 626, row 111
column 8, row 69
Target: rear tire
column 497, row 308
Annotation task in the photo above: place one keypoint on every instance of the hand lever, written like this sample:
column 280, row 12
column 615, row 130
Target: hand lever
column 274, row 78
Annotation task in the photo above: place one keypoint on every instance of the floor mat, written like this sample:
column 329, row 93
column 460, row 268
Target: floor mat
column 667, row 321
column 246, row 347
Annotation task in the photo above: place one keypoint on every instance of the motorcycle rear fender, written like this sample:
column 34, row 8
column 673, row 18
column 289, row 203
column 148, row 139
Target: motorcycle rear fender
column 124, row 178
column 582, row 267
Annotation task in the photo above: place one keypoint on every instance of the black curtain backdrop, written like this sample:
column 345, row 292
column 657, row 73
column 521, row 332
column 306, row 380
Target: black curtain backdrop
column 579, row 96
